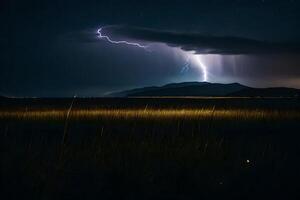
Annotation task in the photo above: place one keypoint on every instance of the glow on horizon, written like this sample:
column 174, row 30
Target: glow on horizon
column 102, row 36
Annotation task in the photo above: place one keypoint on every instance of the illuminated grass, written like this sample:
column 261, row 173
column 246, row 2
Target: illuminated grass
column 156, row 147
column 92, row 114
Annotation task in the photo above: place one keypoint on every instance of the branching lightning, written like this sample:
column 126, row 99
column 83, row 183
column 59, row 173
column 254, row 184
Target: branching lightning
column 107, row 38
column 197, row 59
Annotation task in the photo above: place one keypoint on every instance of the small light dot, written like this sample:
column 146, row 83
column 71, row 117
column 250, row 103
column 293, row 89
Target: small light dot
column 248, row 161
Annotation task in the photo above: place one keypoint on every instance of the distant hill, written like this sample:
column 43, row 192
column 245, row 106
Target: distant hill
column 208, row 89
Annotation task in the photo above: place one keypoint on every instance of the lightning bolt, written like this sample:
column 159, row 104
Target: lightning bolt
column 107, row 38
column 203, row 68
column 197, row 59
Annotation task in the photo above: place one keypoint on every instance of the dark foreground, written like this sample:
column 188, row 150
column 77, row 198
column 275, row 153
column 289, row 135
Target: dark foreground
column 153, row 148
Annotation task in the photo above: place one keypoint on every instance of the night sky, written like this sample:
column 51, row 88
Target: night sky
column 90, row 48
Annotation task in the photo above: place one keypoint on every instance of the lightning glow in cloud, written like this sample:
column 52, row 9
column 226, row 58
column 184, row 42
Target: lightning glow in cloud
column 102, row 36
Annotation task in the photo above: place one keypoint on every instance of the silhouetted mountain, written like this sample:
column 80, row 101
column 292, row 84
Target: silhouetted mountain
column 135, row 92
column 208, row 89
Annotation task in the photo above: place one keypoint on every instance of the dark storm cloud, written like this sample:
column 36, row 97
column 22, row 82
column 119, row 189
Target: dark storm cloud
column 47, row 48
column 202, row 44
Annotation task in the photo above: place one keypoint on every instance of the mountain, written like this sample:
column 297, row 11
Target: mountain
column 207, row 89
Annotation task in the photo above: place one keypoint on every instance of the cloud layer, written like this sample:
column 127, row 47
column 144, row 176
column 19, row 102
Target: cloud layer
column 200, row 43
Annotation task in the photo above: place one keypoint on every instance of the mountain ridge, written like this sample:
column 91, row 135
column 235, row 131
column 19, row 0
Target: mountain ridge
column 202, row 89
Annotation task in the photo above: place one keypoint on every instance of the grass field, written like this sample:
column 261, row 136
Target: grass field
column 150, row 148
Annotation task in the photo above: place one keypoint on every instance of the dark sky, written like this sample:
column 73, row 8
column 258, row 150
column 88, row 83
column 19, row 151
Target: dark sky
column 51, row 48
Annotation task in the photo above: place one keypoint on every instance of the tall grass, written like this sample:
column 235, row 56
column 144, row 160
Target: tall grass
column 92, row 114
column 149, row 152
